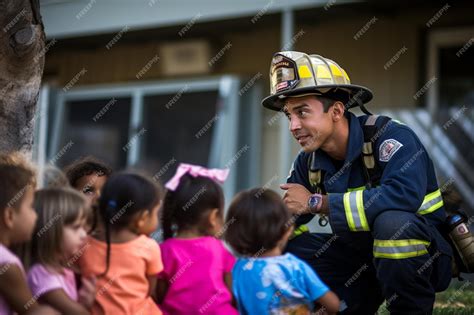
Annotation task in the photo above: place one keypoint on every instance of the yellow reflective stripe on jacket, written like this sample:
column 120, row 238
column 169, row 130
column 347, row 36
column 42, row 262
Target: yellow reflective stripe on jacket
column 300, row 230
column 400, row 249
column 354, row 210
column 356, row 188
column 432, row 202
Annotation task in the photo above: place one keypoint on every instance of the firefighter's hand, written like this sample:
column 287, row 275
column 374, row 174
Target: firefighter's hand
column 296, row 198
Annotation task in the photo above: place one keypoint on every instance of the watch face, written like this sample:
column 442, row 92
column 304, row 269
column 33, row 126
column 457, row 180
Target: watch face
column 313, row 201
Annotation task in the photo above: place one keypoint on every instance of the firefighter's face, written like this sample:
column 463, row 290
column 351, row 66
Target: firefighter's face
column 309, row 124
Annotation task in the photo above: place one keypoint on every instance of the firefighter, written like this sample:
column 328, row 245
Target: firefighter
column 371, row 179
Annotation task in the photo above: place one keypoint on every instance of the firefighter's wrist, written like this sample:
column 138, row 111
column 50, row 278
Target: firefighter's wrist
column 325, row 205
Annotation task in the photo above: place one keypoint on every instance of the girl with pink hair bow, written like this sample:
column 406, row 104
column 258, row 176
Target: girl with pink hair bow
column 197, row 266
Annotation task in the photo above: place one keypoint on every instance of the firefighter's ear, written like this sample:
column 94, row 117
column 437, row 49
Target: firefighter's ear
column 337, row 111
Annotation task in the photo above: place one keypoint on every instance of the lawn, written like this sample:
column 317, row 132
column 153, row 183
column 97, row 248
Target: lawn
column 458, row 299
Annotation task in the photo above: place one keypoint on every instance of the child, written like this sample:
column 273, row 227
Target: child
column 53, row 177
column 122, row 257
column 58, row 238
column 88, row 175
column 17, row 221
column 197, row 268
column 265, row 280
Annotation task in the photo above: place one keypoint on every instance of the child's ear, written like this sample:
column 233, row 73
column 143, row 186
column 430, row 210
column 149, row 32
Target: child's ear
column 214, row 217
column 8, row 217
column 143, row 217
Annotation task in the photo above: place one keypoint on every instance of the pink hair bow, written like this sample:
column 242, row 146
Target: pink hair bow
column 219, row 175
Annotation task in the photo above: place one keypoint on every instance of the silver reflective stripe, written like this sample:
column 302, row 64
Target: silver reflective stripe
column 400, row 249
column 430, row 203
column 371, row 120
column 355, row 213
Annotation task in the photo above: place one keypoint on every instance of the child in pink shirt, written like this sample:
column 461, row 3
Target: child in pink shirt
column 17, row 222
column 58, row 241
column 197, row 267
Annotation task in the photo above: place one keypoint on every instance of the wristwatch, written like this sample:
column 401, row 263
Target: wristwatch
column 315, row 202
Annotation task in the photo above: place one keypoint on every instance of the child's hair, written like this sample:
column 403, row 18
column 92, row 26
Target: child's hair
column 259, row 220
column 186, row 206
column 84, row 167
column 54, row 177
column 125, row 195
column 17, row 158
column 56, row 207
column 20, row 160
column 14, row 180
column 452, row 201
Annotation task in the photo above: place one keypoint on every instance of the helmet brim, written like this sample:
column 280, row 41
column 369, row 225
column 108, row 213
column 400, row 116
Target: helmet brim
column 356, row 95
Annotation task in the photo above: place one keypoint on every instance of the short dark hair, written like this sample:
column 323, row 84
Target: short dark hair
column 86, row 166
column 326, row 101
column 14, row 180
column 333, row 96
column 256, row 221
column 187, row 205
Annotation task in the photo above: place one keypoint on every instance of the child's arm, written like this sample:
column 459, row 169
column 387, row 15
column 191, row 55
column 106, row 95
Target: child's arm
column 317, row 289
column 87, row 292
column 63, row 303
column 329, row 303
column 154, row 266
column 161, row 289
column 152, row 287
column 228, row 264
column 228, row 283
column 20, row 299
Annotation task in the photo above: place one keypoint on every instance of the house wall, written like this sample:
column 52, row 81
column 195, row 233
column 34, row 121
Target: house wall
column 327, row 33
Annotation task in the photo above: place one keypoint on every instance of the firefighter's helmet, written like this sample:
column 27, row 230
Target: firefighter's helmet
column 296, row 74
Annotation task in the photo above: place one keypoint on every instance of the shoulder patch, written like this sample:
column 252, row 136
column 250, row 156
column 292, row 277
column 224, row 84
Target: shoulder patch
column 388, row 148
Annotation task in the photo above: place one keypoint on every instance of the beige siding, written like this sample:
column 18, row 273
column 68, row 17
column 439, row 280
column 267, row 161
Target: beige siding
column 363, row 59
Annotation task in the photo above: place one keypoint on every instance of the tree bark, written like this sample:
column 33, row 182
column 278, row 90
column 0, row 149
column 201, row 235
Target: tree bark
column 21, row 68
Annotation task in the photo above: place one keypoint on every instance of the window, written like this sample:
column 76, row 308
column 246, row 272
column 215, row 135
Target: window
column 155, row 126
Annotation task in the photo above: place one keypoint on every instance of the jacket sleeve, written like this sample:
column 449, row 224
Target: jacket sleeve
column 403, row 160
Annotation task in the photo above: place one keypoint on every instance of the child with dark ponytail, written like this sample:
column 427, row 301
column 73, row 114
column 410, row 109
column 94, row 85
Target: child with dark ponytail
column 123, row 257
column 196, row 278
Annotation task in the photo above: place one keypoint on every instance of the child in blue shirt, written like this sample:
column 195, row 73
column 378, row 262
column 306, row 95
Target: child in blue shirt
column 265, row 281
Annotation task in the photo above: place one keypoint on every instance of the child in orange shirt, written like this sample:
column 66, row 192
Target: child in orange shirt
column 122, row 257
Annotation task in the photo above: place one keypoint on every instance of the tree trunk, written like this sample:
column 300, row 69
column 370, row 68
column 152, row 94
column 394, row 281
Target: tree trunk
column 21, row 67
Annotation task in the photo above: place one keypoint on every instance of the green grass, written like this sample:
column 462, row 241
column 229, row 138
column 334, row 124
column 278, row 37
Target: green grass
column 458, row 299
